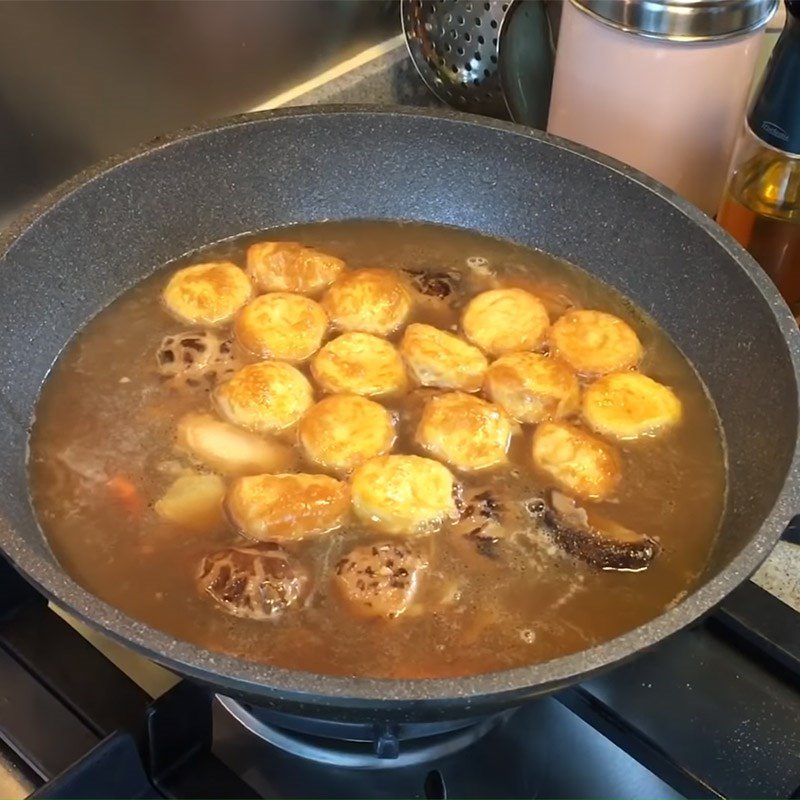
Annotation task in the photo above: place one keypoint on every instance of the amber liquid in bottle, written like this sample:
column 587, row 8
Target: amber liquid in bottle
column 761, row 208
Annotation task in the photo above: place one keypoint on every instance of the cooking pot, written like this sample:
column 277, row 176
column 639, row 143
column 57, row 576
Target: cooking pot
column 102, row 232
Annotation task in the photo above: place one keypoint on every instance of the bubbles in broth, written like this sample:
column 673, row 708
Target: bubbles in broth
column 484, row 570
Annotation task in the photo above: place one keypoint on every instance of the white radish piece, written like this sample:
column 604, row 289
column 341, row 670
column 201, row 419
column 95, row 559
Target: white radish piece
column 229, row 450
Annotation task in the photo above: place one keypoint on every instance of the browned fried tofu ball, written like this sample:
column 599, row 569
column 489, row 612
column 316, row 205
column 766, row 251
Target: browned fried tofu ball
column 594, row 343
column 576, row 461
column 505, row 320
column 267, row 397
column 287, row 506
column 286, row 327
column 359, row 363
column 343, row 431
column 368, row 300
column 627, row 405
column 437, row 358
column 403, row 494
column 533, row 387
column 291, row 267
column 207, row 294
column 465, row 431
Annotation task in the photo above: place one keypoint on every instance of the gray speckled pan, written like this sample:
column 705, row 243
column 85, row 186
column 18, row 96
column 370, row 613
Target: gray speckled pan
column 102, row 232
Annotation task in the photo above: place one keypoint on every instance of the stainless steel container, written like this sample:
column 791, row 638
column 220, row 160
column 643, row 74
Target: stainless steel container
column 659, row 84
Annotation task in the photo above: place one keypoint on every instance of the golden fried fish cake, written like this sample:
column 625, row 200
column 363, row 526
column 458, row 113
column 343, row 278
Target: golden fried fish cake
column 287, row 327
column 380, row 580
column 359, row 363
column 437, row 358
column 287, row 506
column 207, row 294
column 403, row 494
column 343, row 431
column 291, row 267
column 368, row 300
column 532, row 387
column 505, row 320
column 576, row 461
column 594, row 343
column 229, row 449
column 267, row 397
column 626, row 405
column 465, row 431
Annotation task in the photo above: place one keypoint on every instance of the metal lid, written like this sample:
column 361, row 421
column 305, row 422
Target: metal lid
column 682, row 20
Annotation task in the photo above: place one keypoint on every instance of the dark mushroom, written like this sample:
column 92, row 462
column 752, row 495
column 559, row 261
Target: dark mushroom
column 434, row 284
column 379, row 580
column 478, row 530
column 258, row 582
column 596, row 540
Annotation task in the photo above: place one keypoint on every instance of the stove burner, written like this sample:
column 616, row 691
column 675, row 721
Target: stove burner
column 365, row 746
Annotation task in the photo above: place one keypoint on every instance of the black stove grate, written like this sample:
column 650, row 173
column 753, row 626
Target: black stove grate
column 713, row 712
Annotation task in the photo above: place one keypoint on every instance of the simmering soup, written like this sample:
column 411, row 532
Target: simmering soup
column 378, row 449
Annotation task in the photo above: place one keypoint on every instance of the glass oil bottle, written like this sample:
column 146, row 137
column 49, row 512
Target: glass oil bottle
column 761, row 204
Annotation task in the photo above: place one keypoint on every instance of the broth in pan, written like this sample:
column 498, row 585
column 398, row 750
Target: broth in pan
column 378, row 449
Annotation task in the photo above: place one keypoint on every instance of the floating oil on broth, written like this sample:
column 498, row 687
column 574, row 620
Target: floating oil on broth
column 102, row 453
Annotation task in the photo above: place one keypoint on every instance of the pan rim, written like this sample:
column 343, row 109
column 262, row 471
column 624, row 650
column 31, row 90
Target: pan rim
column 467, row 694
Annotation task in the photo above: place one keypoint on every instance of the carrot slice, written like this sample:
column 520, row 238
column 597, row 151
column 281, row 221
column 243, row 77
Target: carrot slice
column 125, row 491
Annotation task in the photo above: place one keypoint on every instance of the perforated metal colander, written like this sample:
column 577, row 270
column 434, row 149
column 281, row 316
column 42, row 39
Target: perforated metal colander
column 454, row 46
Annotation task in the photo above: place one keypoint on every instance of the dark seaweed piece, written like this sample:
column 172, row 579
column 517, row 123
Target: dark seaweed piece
column 600, row 542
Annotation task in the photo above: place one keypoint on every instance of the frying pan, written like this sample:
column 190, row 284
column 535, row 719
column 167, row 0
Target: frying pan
column 100, row 233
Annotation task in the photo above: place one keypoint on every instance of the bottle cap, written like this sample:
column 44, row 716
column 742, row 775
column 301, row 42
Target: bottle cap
column 682, row 20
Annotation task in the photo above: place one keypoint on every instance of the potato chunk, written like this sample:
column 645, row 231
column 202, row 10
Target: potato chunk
column 193, row 501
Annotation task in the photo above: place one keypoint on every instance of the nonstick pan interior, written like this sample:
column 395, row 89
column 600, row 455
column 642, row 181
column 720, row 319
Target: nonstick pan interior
column 101, row 233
